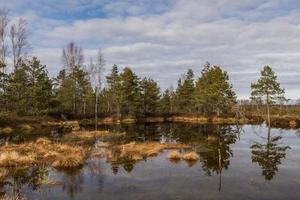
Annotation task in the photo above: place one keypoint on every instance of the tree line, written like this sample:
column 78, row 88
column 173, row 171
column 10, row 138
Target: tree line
column 80, row 89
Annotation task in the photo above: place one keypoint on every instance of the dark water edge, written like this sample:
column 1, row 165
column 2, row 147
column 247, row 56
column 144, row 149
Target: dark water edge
column 247, row 162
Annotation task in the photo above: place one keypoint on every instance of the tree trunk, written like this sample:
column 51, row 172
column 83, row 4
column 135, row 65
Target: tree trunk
column 268, row 111
column 96, row 110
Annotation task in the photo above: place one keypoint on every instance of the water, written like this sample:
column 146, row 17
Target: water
column 245, row 162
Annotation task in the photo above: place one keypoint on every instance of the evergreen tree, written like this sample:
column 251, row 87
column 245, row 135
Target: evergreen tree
column 213, row 93
column 166, row 101
column 150, row 96
column 67, row 88
column 131, row 90
column 185, row 92
column 267, row 88
column 30, row 88
column 114, row 92
column 40, row 86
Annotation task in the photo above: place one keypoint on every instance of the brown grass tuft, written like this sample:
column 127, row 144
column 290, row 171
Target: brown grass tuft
column 190, row 156
column 42, row 151
column 137, row 151
column 26, row 127
column 3, row 173
column 6, row 130
column 174, row 155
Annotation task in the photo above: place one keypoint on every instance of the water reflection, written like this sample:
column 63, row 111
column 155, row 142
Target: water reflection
column 213, row 143
column 18, row 179
column 269, row 155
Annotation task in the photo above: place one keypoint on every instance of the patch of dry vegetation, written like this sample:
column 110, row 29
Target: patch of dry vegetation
column 174, row 155
column 88, row 136
column 26, row 127
column 43, row 151
column 74, row 125
column 6, row 130
column 190, row 156
column 3, row 173
column 136, row 151
column 189, row 119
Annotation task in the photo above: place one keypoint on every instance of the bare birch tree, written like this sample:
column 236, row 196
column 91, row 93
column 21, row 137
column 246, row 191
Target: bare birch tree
column 19, row 40
column 4, row 20
column 96, row 73
column 72, row 58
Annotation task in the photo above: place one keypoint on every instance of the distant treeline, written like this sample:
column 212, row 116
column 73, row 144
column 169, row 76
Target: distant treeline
column 28, row 90
column 78, row 89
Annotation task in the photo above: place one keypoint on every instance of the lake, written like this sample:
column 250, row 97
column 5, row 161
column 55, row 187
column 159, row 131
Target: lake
column 246, row 162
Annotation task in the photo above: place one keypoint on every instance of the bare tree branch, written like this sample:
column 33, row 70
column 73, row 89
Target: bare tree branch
column 4, row 20
column 18, row 36
column 72, row 56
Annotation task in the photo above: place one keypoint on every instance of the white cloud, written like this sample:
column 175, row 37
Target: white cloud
column 241, row 36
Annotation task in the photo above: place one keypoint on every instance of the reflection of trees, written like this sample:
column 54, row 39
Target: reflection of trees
column 218, row 158
column 20, row 178
column 72, row 180
column 269, row 155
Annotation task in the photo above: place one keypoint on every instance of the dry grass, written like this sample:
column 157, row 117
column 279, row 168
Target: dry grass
column 6, row 130
column 198, row 120
column 14, row 158
column 190, row 156
column 154, row 119
column 293, row 124
column 174, row 155
column 3, row 173
column 43, row 151
column 137, row 151
column 212, row 138
column 86, row 136
column 220, row 120
column 26, row 127
column 128, row 121
column 74, row 125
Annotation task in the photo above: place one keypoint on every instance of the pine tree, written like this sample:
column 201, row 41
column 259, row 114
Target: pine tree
column 30, row 88
column 131, row 90
column 114, row 92
column 150, row 96
column 267, row 88
column 213, row 93
column 166, row 101
column 185, row 92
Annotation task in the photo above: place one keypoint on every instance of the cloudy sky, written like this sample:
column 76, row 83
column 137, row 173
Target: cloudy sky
column 163, row 38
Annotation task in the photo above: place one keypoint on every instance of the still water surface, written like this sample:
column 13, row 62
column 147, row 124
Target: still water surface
column 248, row 162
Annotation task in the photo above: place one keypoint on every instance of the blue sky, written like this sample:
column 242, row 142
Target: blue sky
column 163, row 38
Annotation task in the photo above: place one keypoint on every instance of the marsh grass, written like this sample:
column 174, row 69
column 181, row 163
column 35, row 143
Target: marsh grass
column 43, row 151
column 3, row 173
column 190, row 156
column 136, row 151
column 26, row 127
column 174, row 156
column 6, row 130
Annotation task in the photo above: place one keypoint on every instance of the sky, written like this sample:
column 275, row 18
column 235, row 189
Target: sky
column 161, row 39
